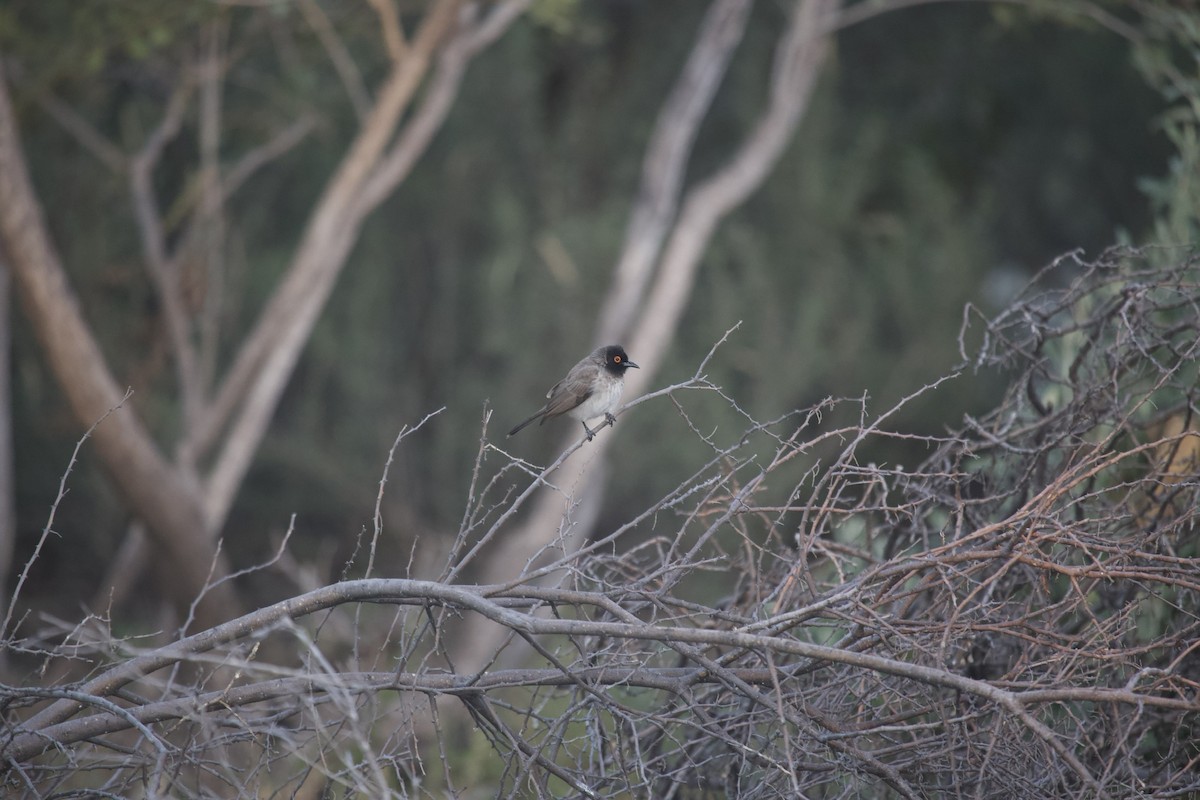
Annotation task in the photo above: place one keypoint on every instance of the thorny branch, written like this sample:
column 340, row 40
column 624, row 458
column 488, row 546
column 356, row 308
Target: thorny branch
column 1015, row 615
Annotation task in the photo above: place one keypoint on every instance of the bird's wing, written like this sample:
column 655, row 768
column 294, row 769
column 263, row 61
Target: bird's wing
column 570, row 391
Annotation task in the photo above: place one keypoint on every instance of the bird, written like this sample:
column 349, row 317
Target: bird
column 592, row 389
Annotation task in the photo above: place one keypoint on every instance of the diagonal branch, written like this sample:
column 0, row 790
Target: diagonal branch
column 121, row 576
column 339, row 56
column 265, row 153
column 84, row 132
column 266, row 360
column 236, row 176
column 515, row 611
column 797, row 62
column 666, row 161
column 393, row 32
column 163, row 273
column 438, row 97
column 794, row 73
column 325, row 237
column 149, row 485
column 210, row 217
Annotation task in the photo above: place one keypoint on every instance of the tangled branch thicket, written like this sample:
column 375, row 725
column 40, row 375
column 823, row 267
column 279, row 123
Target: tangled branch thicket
column 1017, row 616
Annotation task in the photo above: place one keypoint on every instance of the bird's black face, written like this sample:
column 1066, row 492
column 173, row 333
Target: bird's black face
column 616, row 360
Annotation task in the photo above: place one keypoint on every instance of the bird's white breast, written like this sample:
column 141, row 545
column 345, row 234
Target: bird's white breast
column 602, row 401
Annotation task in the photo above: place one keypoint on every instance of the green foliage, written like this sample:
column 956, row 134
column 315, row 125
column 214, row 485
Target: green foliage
column 1169, row 57
column 559, row 16
column 56, row 39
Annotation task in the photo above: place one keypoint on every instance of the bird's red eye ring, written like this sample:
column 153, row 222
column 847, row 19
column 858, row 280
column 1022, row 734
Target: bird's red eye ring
column 616, row 359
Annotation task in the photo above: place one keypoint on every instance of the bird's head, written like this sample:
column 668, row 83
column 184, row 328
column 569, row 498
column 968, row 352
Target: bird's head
column 614, row 358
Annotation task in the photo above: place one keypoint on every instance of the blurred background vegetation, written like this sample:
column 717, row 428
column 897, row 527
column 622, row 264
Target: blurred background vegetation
column 950, row 152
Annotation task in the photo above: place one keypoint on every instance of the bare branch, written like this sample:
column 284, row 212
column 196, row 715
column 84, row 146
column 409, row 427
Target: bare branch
column 141, row 171
column 254, row 160
column 339, row 56
column 393, row 33
column 377, row 530
column 797, row 59
column 861, row 12
column 169, row 507
column 262, row 366
column 443, row 87
column 49, row 526
column 164, row 275
column 84, row 132
column 1013, row 616
column 665, row 162
column 794, row 73
column 211, row 218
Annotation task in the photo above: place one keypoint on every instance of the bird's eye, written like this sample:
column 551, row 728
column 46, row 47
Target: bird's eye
column 616, row 359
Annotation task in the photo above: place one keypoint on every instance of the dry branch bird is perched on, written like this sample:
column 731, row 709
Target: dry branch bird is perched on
column 591, row 389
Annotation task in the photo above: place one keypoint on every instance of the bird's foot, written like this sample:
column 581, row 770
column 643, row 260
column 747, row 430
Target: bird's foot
column 609, row 420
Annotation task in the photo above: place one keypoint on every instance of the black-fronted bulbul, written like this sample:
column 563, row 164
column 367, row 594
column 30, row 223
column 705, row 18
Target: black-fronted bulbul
column 592, row 389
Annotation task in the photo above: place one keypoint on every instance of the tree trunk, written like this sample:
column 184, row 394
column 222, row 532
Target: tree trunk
column 183, row 509
column 798, row 58
column 8, row 488
column 145, row 479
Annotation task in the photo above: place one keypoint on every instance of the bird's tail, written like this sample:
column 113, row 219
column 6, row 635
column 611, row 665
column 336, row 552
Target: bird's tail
column 526, row 422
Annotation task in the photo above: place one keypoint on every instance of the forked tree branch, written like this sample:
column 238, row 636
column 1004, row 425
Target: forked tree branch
column 139, row 470
column 797, row 59
column 51, row 728
column 473, row 36
column 164, row 275
column 84, row 132
column 797, row 62
column 1016, row 612
column 665, row 163
column 339, row 56
column 253, row 385
column 393, row 33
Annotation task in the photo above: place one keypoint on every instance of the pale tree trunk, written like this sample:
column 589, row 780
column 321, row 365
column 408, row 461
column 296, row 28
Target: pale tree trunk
column 370, row 172
column 665, row 163
column 183, row 511
column 8, row 483
column 268, row 357
column 564, row 516
column 146, row 481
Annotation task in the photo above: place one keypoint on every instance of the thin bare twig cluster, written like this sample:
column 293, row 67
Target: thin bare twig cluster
column 1016, row 616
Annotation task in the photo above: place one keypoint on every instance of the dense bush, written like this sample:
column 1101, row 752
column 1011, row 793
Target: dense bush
column 1014, row 616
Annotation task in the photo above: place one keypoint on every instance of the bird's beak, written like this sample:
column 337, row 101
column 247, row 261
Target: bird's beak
column 629, row 363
